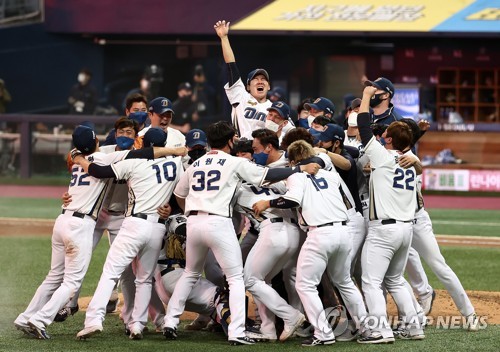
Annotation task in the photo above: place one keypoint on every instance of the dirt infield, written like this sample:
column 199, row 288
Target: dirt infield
column 486, row 304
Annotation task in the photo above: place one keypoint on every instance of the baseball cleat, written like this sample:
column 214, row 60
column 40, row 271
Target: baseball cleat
column 26, row 329
column 314, row 341
column 375, row 338
column 260, row 337
column 170, row 333
column 427, row 302
column 112, row 305
column 65, row 313
column 236, row 341
column 135, row 334
column 88, row 332
column 472, row 322
column 288, row 330
column 40, row 333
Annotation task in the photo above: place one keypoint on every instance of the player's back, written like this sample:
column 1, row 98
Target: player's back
column 151, row 182
column 392, row 189
column 321, row 200
column 211, row 182
column 87, row 193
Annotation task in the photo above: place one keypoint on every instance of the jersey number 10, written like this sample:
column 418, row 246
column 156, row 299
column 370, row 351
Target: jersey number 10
column 169, row 171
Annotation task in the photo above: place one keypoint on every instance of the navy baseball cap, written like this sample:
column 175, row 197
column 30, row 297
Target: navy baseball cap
column 315, row 134
column 322, row 104
column 355, row 103
column 281, row 108
column 257, row 71
column 154, row 137
column 278, row 92
column 185, row 85
column 382, row 83
column 196, row 137
column 333, row 133
column 84, row 139
column 160, row 105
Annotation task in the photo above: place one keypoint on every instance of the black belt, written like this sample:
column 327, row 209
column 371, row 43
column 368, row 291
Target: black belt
column 78, row 215
column 332, row 223
column 391, row 221
column 167, row 270
column 145, row 217
column 273, row 220
column 196, row 212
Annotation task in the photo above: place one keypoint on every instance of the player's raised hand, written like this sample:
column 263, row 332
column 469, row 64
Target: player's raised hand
column 369, row 91
column 260, row 206
column 222, row 28
column 424, row 125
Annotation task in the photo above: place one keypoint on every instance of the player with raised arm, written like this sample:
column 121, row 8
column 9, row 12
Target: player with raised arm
column 151, row 183
column 249, row 99
column 392, row 209
column 328, row 243
column 206, row 192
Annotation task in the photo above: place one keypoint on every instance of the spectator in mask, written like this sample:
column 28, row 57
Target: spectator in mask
column 83, row 95
column 383, row 112
column 184, row 108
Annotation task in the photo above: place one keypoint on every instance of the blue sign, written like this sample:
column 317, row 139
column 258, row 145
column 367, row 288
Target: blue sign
column 406, row 100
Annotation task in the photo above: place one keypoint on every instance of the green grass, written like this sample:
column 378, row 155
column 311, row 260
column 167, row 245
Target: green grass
column 39, row 208
column 26, row 261
column 61, row 180
column 466, row 222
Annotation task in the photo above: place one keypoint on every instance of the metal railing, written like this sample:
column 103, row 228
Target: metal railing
column 27, row 136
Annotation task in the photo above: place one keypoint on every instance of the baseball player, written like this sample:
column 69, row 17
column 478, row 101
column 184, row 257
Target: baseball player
column 249, row 100
column 324, row 213
column 206, row 192
column 112, row 212
column 161, row 115
column 72, row 239
column 206, row 298
column 278, row 119
column 383, row 110
column 392, row 207
column 151, row 183
column 320, row 107
column 425, row 244
column 275, row 248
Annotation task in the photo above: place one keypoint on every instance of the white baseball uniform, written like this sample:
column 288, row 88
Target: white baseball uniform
column 275, row 249
column 151, row 183
column 384, row 255
column 112, row 212
column 209, row 186
column 425, row 243
column 248, row 114
column 327, row 246
column 71, row 244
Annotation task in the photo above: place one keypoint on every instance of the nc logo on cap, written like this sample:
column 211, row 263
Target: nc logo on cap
column 279, row 104
column 164, row 102
column 317, row 100
column 196, row 135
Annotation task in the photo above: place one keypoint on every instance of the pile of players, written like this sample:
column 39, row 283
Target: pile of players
column 258, row 201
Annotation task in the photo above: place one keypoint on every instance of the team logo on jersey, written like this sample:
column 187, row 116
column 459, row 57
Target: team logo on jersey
column 251, row 102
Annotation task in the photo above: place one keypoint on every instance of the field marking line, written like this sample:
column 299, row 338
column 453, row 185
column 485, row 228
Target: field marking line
column 465, row 223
